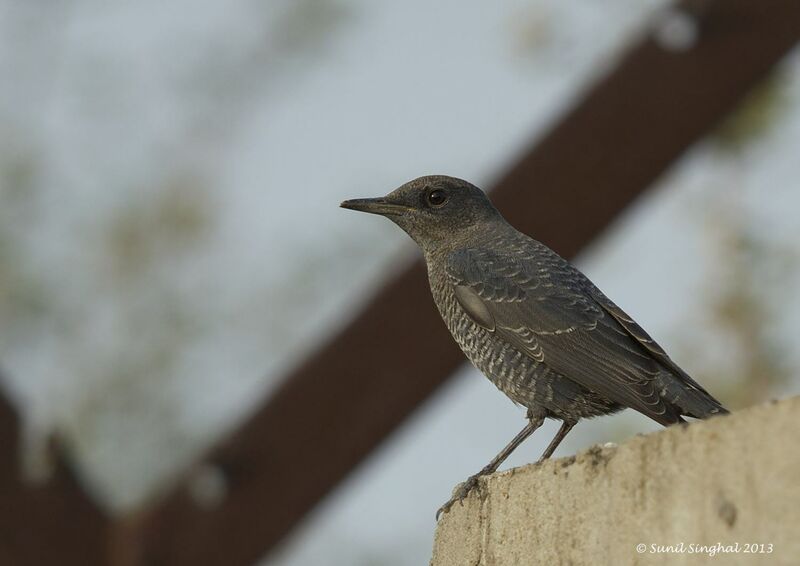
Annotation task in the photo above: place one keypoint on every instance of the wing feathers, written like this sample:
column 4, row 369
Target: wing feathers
column 547, row 309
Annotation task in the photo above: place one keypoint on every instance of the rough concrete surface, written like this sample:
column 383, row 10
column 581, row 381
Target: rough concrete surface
column 730, row 480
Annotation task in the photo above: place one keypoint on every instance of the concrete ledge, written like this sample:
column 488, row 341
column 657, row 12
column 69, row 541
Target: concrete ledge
column 732, row 479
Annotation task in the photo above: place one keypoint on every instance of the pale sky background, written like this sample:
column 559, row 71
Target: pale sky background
column 170, row 242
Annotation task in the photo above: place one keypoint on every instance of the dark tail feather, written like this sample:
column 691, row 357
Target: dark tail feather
column 689, row 400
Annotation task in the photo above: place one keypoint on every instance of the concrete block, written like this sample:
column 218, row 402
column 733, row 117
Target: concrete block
column 722, row 491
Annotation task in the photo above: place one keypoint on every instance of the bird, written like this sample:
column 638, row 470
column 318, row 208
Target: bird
column 530, row 321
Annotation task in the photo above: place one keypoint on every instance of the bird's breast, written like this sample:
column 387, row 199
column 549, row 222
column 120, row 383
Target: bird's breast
column 509, row 369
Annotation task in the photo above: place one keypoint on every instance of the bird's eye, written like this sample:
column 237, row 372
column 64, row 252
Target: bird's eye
column 437, row 197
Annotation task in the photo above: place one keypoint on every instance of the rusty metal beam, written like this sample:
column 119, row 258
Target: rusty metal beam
column 332, row 410
column 52, row 523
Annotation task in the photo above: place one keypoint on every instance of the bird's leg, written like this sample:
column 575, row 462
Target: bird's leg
column 534, row 422
column 566, row 426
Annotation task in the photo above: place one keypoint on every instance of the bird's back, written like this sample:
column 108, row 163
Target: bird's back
column 547, row 337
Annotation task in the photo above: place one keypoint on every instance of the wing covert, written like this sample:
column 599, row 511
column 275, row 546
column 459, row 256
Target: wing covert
column 543, row 307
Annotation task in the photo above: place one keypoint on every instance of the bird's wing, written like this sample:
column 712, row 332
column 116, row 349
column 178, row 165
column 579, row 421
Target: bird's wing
column 643, row 337
column 544, row 307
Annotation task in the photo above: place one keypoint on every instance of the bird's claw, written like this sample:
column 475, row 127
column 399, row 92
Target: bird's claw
column 459, row 495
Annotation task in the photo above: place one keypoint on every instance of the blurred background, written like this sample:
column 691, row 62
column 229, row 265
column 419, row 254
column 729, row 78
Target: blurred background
column 171, row 244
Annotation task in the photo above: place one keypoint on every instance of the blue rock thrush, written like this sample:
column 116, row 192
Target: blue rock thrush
column 530, row 321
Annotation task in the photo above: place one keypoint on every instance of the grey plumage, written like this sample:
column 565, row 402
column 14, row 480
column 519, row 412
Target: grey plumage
column 538, row 328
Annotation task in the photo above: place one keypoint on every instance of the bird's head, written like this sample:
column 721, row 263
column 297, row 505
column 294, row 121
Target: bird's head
column 433, row 210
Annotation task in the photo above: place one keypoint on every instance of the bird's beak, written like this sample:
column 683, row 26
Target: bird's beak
column 374, row 206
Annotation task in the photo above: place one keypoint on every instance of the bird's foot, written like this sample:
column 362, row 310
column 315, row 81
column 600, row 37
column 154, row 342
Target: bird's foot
column 460, row 494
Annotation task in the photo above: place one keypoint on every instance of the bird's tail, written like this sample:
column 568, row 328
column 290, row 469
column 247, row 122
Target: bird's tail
column 688, row 397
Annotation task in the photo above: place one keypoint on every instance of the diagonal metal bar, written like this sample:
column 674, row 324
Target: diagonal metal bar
column 52, row 523
column 350, row 394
